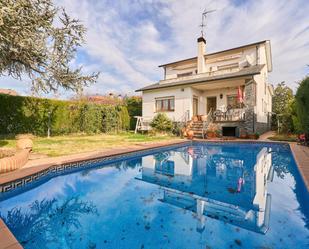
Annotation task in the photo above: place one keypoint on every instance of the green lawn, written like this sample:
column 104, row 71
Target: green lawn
column 71, row 144
column 284, row 137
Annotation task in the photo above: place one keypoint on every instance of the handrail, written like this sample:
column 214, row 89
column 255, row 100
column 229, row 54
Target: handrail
column 183, row 120
column 206, row 122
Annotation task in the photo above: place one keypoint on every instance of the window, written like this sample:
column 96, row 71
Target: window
column 232, row 101
column 165, row 168
column 184, row 74
column 166, row 104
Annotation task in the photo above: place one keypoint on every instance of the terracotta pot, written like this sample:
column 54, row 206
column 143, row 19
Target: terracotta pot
column 251, row 136
column 211, row 134
column 190, row 134
column 204, row 118
column 243, row 136
column 24, row 143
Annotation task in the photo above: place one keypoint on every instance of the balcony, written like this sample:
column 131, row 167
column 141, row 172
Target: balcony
column 232, row 115
column 187, row 76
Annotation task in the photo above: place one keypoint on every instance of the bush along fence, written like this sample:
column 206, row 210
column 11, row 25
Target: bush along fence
column 34, row 115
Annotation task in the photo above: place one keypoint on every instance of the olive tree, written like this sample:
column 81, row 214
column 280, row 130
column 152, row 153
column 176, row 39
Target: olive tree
column 40, row 40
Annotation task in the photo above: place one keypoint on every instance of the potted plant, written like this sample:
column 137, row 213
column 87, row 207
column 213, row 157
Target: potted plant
column 190, row 134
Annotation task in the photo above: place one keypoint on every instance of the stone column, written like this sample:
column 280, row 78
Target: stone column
column 250, row 102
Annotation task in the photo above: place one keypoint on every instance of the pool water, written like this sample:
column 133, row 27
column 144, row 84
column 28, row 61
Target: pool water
column 194, row 196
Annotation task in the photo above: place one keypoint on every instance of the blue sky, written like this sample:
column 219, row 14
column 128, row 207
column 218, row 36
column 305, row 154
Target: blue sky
column 127, row 40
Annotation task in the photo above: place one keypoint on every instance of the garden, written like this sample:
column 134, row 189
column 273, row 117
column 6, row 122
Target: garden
column 291, row 113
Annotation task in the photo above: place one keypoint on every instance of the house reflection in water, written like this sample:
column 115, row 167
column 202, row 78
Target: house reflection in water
column 219, row 182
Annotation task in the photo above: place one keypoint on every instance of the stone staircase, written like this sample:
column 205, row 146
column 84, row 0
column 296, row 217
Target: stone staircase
column 197, row 128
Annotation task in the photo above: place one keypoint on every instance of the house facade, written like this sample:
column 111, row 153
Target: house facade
column 231, row 86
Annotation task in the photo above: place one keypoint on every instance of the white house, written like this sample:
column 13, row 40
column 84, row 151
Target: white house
column 230, row 85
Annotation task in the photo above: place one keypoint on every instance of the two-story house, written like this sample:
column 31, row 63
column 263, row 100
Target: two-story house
column 231, row 86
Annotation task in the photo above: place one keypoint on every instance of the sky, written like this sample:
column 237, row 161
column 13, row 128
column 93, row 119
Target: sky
column 126, row 40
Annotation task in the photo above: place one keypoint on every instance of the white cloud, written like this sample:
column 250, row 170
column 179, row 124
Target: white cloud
column 127, row 40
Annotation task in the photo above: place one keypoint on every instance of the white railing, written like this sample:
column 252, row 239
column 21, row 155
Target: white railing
column 201, row 75
column 207, row 122
column 237, row 114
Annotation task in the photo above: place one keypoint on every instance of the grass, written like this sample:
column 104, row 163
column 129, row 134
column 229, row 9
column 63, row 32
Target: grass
column 284, row 137
column 77, row 143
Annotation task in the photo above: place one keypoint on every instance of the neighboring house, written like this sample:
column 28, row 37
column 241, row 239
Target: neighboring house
column 231, row 86
column 8, row 91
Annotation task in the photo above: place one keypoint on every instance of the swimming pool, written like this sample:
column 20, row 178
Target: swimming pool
column 199, row 195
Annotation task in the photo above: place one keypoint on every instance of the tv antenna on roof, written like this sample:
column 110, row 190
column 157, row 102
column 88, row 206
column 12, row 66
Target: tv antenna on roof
column 204, row 16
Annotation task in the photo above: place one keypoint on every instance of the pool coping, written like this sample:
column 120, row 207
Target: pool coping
column 8, row 240
column 302, row 161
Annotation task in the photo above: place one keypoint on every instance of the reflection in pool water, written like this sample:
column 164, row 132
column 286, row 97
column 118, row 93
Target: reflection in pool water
column 231, row 188
column 199, row 196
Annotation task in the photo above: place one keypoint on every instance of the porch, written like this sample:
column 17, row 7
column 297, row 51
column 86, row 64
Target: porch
column 224, row 100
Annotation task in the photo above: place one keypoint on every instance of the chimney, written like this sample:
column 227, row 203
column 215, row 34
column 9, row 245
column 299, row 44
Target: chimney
column 201, row 50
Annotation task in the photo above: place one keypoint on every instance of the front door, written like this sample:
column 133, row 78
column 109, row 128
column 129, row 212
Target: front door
column 211, row 104
column 195, row 106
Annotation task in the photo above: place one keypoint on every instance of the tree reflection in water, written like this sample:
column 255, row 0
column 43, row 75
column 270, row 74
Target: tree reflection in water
column 281, row 163
column 49, row 221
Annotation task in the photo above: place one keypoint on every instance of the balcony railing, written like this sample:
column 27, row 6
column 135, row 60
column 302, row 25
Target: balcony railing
column 201, row 75
column 237, row 114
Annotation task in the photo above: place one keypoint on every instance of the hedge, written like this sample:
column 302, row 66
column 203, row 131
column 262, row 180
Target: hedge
column 31, row 115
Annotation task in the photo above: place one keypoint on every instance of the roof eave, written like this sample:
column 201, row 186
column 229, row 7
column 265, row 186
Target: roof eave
column 197, row 82
column 218, row 52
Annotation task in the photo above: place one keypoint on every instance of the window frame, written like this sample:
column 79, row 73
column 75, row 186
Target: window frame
column 170, row 104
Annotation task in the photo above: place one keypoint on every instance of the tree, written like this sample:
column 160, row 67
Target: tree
column 134, row 105
column 281, row 105
column 302, row 104
column 40, row 40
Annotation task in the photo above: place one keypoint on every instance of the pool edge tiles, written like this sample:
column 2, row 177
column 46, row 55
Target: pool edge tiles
column 7, row 239
column 302, row 162
column 25, row 176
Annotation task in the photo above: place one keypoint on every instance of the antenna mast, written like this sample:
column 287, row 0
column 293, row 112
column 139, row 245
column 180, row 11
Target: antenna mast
column 204, row 16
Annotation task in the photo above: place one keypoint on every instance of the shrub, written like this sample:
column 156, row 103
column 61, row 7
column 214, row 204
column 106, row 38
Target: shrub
column 161, row 123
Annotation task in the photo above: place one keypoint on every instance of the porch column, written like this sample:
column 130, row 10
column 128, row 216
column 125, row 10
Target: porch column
column 250, row 102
